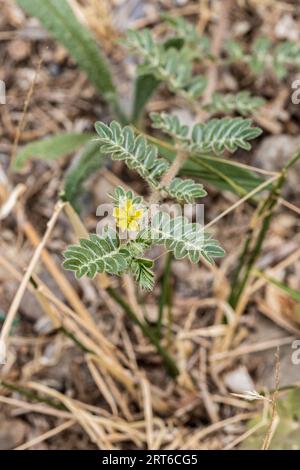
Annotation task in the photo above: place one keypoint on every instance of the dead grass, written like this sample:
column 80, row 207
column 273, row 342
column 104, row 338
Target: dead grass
column 87, row 370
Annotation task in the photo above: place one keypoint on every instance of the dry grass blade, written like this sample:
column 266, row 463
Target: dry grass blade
column 100, row 359
column 193, row 441
column 251, row 431
column 83, row 417
column 22, row 123
column 70, row 319
column 274, row 414
column 207, row 399
column 51, row 433
column 103, row 388
column 65, row 285
column 18, row 297
column 242, row 200
column 34, row 408
column 148, row 412
column 77, row 326
column 252, row 348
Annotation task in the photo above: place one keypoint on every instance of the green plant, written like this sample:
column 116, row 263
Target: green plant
column 51, row 148
column 109, row 253
column 171, row 62
column 185, row 239
column 264, row 55
column 58, row 18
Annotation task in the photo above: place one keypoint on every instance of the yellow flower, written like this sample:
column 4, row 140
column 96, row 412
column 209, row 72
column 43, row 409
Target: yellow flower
column 127, row 216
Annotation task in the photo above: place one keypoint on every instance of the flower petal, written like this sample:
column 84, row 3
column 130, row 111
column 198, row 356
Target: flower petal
column 133, row 226
column 116, row 211
column 123, row 224
column 128, row 205
column 138, row 214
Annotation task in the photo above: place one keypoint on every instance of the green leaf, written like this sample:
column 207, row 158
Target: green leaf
column 185, row 30
column 222, row 174
column 234, row 50
column 170, row 65
column 140, row 268
column 223, row 134
column 196, row 86
column 285, row 54
column 51, row 148
column 58, row 18
column 263, row 54
column 260, row 51
column 242, row 102
column 185, row 190
column 107, row 254
column 293, row 293
column 145, row 85
column 120, row 195
column 89, row 161
column 136, row 152
column 216, row 135
column 184, row 238
column 170, row 124
column 97, row 255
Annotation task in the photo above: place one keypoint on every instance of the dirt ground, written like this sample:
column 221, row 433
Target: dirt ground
column 54, row 393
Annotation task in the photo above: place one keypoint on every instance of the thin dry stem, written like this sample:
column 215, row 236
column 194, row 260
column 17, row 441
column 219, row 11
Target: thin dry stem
column 22, row 288
column 51, row 433
column 274, row 414
column 24, row 114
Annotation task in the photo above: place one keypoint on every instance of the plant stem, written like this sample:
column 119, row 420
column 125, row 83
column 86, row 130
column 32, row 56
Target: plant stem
column 31, row 395
column 253, row 243
column 177, row 163
column 164, row 297
column 181, row 156
column 74, row 339
column 148, row 332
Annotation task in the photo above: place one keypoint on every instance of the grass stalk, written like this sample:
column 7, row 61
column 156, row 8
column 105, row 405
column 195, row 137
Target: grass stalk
column 254, row 240
column 32, row 395
column 148, row 332
column 165, row 291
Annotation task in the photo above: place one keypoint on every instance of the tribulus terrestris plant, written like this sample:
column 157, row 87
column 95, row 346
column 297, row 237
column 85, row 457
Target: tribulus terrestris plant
column 183, row 238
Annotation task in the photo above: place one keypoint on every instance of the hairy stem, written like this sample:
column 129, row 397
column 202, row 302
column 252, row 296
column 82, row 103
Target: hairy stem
column 177, row 163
